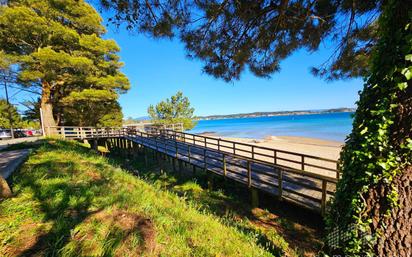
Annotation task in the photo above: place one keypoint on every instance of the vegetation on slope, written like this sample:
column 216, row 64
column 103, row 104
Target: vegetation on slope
column 281, row 228
column 69, row 202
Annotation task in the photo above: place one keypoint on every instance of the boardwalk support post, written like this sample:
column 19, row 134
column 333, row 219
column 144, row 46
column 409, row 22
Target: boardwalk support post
column 95, row 144
column 145, row 156
column 210, row 182
column 255, row 197
column 180, row 167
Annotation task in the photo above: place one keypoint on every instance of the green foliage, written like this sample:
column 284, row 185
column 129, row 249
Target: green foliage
column 17, row 120
column 231, row 36
column 8, row 112
column 174, row 110
column 92, row 107
column 81, row 205
column 379, row 147
column 32, row 112
column 57, row 46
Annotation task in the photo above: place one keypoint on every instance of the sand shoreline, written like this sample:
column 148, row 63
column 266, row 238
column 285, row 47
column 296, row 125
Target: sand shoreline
column 311, row 146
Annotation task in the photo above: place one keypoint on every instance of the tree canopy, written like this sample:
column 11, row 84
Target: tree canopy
column 229, row 36
column 177, row 109
column 57, row 47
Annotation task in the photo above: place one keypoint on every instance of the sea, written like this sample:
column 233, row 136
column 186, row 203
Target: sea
column 328, row 126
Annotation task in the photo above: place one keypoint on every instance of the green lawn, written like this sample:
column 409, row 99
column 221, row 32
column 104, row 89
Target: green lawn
column 70, row 202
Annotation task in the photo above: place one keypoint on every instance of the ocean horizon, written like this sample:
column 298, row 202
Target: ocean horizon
column 327, row 126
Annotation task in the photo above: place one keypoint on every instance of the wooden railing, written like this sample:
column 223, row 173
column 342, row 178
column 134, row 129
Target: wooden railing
column 300, row 161
column 155, row 128
column 68, row 132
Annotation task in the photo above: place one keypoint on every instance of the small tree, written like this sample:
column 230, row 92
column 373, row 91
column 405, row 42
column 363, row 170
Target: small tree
column 8, row 111
column 174, row 110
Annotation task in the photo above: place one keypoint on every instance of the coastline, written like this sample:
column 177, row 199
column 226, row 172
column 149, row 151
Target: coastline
column 274, row 114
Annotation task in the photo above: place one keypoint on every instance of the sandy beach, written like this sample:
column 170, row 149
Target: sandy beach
column 311, row 146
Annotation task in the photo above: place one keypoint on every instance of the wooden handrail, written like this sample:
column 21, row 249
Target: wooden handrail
column 275, row 152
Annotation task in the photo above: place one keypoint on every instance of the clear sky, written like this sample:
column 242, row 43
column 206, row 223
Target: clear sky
column 158, row 68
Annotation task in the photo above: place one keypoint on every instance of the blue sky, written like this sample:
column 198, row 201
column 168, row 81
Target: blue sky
column 158, row 68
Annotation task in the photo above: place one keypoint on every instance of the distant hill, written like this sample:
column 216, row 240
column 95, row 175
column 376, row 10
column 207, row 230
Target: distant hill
column 270, row 114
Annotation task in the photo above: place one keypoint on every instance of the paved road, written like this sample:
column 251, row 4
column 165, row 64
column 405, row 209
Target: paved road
column 11, row 160
column 5, row 143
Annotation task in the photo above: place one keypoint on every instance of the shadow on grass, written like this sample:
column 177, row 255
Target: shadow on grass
column 64, row 193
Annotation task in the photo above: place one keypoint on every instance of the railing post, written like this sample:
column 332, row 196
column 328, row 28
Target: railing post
column 323, row 203
column 337, row 171
column 280, row 183
column 189, row 152
column 218, row 144
column 63, row 132
column 157, row 147
column 224, row 166
column 177, row 149
column 275, row 157
column 234, row 148
column 249, row 174
column 204, row 159
column 303, row 162
column 253, row 152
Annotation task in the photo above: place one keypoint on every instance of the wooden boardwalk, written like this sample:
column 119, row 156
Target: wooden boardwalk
column 273, row 171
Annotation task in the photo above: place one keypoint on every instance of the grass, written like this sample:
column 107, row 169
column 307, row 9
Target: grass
column 70, row 202
column 280, row 228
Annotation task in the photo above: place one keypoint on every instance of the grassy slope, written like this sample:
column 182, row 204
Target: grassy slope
column 283, row 229
column 70, row 202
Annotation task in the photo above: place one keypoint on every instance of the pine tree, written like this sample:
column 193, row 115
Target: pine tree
column 8, row 113
column 57, row 46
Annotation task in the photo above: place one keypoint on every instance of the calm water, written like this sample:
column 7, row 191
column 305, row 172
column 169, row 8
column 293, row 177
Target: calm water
column 333, row 126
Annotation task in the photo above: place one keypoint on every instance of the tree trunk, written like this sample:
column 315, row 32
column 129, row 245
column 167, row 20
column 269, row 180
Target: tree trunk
column 373, row 201
column 47, row 107
column 396, row 239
